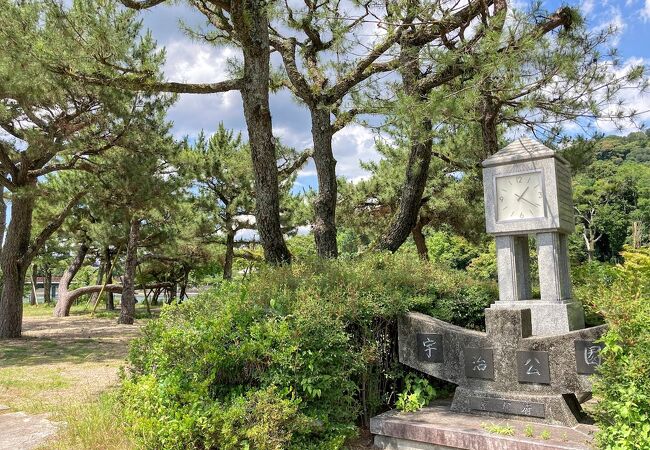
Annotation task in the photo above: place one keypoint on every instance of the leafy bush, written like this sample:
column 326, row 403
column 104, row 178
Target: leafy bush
column 450, row 249
column 588, row 278
column 417, row 393
column 292, row 358
column 484, row 266
column 623, row 384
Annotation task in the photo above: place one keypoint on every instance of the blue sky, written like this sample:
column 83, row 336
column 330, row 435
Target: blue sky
column 196, row 62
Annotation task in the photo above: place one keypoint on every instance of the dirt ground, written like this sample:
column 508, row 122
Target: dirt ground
column 59, row 358
column 58, row 362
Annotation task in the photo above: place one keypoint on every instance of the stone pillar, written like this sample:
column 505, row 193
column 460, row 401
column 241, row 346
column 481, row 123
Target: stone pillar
column 555, row 312
column 513, row 265
column 553, row 257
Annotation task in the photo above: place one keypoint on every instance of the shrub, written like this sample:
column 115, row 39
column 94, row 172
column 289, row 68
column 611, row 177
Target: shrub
column 417, row 393
column 297, row 353
column 450, row 249
column 484, row 266
column 588, row 278
column 623, row 384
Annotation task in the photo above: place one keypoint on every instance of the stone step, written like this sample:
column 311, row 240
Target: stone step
column 438, row 428
column 21, row 431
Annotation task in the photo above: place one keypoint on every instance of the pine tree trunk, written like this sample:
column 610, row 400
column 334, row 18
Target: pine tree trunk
column 172, row 293
column 154, row 297
column 417, row 174
column 417, row 168
column 110, row 297
column 184, row 282
column 32, row 295
column 100, row 276
column 64, row 302
column 251, row 24
column 591, row 249
column 637, row 234
column 489, row 129
column 3, row 217
column 324, row 226
column 14, row 268
column 230, row 255
column 127, row 304
column 420, row 241
column 47, row 287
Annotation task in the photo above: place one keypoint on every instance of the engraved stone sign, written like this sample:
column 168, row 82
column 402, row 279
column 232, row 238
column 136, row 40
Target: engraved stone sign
column 479, row 363
column 532, row 367
column 430, row 347
column 506, row 406
column 587, row 356
column 506, row 364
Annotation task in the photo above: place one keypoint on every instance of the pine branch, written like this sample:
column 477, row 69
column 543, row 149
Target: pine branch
column 54, row 225
column 147, row 85
column 145, row 4
column 286, row 171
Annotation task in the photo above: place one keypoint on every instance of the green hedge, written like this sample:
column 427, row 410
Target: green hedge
column 623, row 382
column 296, row 357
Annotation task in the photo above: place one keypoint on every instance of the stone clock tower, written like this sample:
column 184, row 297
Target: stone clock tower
column 535, row 354
column 527, row 190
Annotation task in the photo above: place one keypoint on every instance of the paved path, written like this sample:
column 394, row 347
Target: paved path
column 20, row 431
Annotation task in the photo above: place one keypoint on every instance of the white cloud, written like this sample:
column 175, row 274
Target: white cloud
column 300, row 139
column 195, row 112
column 645, row 11
column 633, row 100
column 612, row 18
column 352, row 144
column 192, row 62
column 587, row 6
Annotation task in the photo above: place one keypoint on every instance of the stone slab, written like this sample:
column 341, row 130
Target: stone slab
column 588, row 356
column 438, row 428
column 391, row 443
column 532, row 367
column 20, row 431
column 479, row 363
column 517, row 367
column 554, row 409
column 508, row 332
column 430, row 347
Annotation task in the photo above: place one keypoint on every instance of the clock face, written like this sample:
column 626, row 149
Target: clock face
column 519, row 196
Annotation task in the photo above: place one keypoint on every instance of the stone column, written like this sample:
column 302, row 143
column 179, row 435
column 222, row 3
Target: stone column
column 513, row 265
column 553, row 257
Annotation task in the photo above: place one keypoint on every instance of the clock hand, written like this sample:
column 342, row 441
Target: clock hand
column 528, row 201
column 522, row 194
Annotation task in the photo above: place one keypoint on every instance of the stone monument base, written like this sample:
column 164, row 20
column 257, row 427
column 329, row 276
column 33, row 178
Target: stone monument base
column 549, row 318
column 558, row 409
column 437, row 427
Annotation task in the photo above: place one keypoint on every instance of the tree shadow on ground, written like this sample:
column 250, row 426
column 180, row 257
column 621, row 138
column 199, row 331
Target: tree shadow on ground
column 70, row 340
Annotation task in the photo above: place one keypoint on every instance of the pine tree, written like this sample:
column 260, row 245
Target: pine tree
column 52, row 123
column 223, row 173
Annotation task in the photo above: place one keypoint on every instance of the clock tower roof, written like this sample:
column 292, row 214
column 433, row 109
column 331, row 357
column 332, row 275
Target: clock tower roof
column 522, row 149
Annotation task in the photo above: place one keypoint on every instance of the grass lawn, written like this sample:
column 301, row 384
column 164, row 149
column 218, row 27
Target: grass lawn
column 68, row 368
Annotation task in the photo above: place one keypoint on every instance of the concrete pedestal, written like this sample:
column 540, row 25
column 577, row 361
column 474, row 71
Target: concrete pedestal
column 549, row 317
